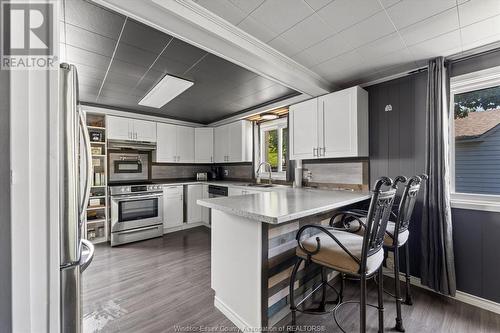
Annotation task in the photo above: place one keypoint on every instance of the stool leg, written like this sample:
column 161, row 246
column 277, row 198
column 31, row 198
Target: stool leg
column 362, row 305
column 293, row 276
column 408, row 299
column 342, row 287
column 322, row 306
column 380, row 300
column 397, row 287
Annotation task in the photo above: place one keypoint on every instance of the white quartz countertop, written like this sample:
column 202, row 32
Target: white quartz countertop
column 282, row 206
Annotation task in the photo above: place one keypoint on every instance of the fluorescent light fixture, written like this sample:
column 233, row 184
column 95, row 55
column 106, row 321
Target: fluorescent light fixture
column 268, row 116
column 166, row 90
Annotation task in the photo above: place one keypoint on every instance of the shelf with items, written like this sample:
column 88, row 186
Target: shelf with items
column 97, row 222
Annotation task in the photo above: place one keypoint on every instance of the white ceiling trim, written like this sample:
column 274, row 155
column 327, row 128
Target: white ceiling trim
column 196, row 25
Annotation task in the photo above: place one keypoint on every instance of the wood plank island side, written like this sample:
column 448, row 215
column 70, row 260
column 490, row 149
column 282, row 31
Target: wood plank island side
column 251, row 265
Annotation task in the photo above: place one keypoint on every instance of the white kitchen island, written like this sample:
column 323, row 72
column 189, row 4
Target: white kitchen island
column 252, row 249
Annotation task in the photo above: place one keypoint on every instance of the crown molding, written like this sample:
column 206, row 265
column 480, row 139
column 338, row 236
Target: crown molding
column 192, row 23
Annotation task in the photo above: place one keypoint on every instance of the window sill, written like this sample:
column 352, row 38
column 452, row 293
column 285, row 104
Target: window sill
column 487, row 203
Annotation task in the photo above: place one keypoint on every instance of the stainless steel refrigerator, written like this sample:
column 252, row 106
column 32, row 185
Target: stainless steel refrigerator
column 75, row 169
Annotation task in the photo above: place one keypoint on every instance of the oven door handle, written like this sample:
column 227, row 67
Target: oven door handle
column 132, row 231
column 136, row 197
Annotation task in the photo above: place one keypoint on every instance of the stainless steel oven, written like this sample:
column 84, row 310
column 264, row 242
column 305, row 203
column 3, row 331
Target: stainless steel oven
column 136, row 213
column 128, row 166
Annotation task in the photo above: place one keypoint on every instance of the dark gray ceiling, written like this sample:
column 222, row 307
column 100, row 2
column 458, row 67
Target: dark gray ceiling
column 141, row 56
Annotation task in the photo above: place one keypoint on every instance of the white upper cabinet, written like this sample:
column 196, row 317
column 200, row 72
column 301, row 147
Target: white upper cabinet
column 233, row 142
column 145, row 130
column 174, row 144
column 121, row 128
column 304, row 127
column 185, row 144
column 221, row 146
column 166, row 143
column 330, row 126
column 204, row 145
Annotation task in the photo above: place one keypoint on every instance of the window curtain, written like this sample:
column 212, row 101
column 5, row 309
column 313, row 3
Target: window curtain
column 437, row 264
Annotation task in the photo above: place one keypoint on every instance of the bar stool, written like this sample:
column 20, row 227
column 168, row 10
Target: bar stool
column 396, row 236
column 347, row 253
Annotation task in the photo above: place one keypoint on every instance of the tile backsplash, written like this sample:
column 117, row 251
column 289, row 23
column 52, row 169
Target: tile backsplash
column 175, row 171
column 335, row 174
column 243, row 171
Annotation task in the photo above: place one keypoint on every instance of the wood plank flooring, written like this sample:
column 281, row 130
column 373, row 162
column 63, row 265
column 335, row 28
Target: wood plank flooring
column 162, row 284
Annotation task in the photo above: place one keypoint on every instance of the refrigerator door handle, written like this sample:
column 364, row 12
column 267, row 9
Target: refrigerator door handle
column 88, row 155
column 88, row 251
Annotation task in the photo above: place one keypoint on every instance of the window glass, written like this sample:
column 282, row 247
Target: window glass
column 285, row 150
column 271, row 148
column 477, row 141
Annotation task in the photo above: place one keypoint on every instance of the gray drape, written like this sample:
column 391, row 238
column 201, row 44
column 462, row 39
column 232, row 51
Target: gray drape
column 437, row 264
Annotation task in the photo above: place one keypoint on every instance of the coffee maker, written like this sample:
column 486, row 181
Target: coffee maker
column 217, row 173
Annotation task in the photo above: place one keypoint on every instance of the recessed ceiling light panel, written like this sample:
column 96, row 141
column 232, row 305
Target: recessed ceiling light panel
column 166, row 90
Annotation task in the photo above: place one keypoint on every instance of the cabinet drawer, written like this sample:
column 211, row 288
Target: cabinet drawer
column 173, row 191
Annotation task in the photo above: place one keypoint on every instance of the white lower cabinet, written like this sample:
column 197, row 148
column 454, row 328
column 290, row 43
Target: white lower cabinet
column 173, row 206
column 205, row 212
column 234, row 191
column 194, row 211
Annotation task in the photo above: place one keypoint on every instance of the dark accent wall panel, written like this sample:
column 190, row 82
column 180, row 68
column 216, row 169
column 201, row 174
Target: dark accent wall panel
column 397, row 146
column 475, row 238
column 5, row 243
column 397, row 139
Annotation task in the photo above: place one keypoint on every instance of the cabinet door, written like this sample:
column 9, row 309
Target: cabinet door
column 337, row 124
column 194, row 211
column 185, row 144
column 173, row 206
column 221, row 135
column 304, row 130
column 234, row 191
column 144, row 131
column 205, row 212
column 119, row 128
column 236, row 141
column 204, row 145
column 166, row 143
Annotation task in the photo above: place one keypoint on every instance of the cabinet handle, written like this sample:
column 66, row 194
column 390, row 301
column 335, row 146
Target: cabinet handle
column 315, row 152
column 324, row 151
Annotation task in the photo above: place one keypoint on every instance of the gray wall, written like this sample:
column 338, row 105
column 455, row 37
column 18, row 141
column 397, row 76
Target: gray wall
column 5, row 253
column 476, row 165
column 397, row 142
column 397, row 139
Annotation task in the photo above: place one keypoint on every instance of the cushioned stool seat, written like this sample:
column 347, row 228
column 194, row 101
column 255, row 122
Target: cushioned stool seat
column 333, row 256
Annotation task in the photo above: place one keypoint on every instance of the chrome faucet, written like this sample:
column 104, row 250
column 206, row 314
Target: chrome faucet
column 257, row 173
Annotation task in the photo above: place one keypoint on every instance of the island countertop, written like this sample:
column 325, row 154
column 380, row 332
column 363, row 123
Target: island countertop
column 285, row 205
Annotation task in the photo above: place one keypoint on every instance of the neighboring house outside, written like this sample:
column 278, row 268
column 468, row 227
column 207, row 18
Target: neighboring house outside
column 477, row 153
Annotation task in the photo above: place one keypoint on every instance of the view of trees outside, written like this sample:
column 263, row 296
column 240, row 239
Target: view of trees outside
column 271, row 154
column 476, row 101
column 271, row 146
column 285, row 149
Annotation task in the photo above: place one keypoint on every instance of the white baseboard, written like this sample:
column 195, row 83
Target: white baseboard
column 185, row 226
column 460, row 296
column 233, row 316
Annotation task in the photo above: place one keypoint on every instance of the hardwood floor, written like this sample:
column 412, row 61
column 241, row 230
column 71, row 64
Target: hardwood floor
column 164, row 283
column 151, row 286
